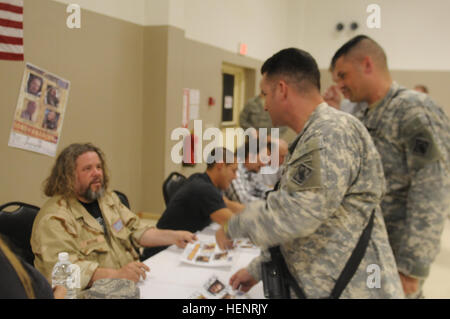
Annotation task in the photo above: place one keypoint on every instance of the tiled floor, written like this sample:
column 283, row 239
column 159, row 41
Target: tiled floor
column 438, row 283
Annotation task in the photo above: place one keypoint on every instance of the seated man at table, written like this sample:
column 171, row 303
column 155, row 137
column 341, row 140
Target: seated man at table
column 200, row 201
column 249, row 184
column 90, row 223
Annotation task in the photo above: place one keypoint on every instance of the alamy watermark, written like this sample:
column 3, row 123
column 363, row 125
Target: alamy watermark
column 183, row 148
column 74, row 19
column 374, row 19
column 374, row 277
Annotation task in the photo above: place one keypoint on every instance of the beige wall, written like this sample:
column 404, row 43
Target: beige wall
column 103, row 60
column 154, row 117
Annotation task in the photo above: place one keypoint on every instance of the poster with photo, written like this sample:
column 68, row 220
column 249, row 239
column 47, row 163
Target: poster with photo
column 40, row 110
column 214, row 288
column 206, row 254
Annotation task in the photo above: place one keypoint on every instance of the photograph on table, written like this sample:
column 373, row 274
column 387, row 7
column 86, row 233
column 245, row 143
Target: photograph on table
column 215, row 288
column 206, row 254
column 221, row 256
column 203, row 259
column 243, row 243
column 208, row 248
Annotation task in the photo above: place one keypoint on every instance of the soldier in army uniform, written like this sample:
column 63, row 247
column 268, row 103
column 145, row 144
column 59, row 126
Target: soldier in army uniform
column 331, row 183
column 412, row 135
column 90, row 223
column 253, row 115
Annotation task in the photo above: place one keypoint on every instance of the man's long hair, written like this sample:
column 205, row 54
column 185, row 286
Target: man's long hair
column 62, row 178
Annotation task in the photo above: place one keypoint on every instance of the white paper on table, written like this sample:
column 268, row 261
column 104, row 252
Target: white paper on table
column 206, row 254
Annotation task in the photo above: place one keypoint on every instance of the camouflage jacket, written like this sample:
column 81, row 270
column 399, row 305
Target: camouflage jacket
column 412, row 135
column 66, row 226
column 332, row 181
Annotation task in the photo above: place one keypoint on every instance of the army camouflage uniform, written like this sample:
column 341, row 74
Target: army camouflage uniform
column 332, row 181
column 254, row 115
column 412, row 135
column 111, row 288
column 66, row 226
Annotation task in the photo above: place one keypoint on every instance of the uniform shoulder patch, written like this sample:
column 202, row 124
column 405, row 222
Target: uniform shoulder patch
column 421, row 144
column 304, row 171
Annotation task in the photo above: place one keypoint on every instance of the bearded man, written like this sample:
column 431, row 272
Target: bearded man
column 86, row 220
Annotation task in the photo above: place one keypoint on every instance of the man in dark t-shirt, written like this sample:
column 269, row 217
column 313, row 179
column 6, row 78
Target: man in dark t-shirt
column 193, row 204
column 200, row 200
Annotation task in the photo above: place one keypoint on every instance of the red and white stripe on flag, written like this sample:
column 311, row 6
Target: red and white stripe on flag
column 11, row 30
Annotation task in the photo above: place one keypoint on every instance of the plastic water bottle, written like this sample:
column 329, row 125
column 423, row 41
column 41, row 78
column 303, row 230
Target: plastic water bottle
column 63, row 275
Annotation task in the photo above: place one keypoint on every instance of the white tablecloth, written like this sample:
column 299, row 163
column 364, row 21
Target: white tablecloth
column 169, row 278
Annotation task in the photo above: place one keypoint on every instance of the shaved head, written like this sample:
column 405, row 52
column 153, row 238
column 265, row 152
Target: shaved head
column 360, row 70
column 360, row 47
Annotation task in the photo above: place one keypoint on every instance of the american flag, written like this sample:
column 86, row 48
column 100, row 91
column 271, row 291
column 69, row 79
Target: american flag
column 11, row 30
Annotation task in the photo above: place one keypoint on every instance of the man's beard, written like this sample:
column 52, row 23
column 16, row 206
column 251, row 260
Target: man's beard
column 91, row 195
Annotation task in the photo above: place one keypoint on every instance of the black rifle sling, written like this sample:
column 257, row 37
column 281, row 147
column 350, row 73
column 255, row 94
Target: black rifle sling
column 354, row 261
column 347, row 273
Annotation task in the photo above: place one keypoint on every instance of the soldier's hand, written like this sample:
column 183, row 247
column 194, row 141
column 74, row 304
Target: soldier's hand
column 242, row 280
column 222, row 240
column 410, row 284
column 182, row 238
column 133, row 271
column 333, row 97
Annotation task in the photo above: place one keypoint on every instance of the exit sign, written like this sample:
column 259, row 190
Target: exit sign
column 243, row 49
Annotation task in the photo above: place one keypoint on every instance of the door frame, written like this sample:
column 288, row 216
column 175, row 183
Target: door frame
column 239, row 91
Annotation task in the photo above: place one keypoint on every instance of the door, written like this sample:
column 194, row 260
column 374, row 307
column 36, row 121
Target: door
column 233, row 88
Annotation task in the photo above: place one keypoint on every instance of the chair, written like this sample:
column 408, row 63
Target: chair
column 16, row 227
column 123, row 198
column 172, row 184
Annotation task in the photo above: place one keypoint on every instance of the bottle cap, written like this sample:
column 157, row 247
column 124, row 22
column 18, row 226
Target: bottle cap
column 63, row 256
